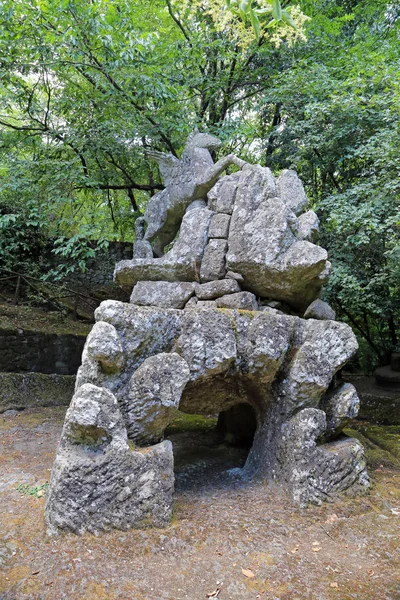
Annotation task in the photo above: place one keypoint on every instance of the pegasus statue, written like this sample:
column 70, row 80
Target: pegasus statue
column 186, row 180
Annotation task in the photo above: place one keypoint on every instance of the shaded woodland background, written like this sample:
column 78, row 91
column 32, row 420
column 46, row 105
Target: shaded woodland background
column 86, row 87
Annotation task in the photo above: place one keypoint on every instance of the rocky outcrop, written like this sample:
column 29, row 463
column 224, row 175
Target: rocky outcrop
column 214, row 326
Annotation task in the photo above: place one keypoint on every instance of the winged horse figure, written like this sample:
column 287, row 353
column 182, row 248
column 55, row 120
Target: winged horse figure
column 186, row 180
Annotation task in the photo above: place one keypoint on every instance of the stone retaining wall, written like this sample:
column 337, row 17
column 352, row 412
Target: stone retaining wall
column 30, row 351
column 30, row 390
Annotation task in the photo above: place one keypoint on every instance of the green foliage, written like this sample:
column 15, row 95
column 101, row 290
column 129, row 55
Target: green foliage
column 38, row 491
column 86, row 87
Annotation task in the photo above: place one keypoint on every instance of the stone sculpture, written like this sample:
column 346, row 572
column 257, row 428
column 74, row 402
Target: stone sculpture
column 216, row 325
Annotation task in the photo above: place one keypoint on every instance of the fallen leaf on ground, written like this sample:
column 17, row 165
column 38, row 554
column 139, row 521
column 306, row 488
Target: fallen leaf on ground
column 316, row 544
column 334, row 585
column 214, row 594
column 315, row 549
column 295, row 549
column 248, row 573
column 35, row 572
column 332, row 518
column 370, row 572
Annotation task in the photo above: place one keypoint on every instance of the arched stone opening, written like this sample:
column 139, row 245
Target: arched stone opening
column 208, row 449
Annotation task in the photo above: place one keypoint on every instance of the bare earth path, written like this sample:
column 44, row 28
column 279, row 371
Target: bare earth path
column 345, row 550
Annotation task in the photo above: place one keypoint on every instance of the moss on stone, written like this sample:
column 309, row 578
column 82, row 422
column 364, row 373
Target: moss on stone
column 185, row 422
column 28, row 390
column 381, row 448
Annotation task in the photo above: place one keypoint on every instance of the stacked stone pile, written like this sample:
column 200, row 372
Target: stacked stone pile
column 229, row 317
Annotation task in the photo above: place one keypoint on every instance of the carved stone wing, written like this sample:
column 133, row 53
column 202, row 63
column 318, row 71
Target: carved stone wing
column 168, row 163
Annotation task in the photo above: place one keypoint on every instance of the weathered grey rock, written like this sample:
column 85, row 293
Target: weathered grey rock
column 181, row 263
column 192, row 303
column 97, row 482
column 316, row 473
column 236, row 276
column 264, row 248
column 164, row 294
column 206, row 304
column 308, row 226
column 155, row 390
column 320, row 310
column 219, row 226
column 186, row 180
column 221, row 197
column 197, row 204
column 340, row 406
column 240, row 300
column 324, row 347
column 207, row 343
column 213, row 263
column 103, row 345
column 267, row 341
column 215, row 289
column 290, row 189
column 271, row 374
column 141, row 248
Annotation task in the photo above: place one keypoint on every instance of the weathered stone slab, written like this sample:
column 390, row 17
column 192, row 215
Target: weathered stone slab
column 219, row 226
column 97, row 482
column 215, row 289
column 290, row 189
column 240, row 300
column 320, row 310
column 221, row 197
column 207, row 343
column 213, row 263
column 164, row 294
column 181, row 263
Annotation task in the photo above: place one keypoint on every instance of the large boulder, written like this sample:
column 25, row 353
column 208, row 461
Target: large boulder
column 97, row 481
column 264, row 247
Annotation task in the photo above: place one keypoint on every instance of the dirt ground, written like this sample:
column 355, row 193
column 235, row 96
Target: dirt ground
column 241, row 542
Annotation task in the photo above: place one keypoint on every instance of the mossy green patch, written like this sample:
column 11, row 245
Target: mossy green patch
column 185, row 422
column 382, row 444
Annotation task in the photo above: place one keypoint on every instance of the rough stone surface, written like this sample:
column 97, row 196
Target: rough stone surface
column 221, row 197
column 97, row 481
column 272, row 373
column 320, row 310
column 340, row 406
column 290, row 189
column 241, row 300
column 219, row 227
column 181, row 263
column 141, row 247
column 155, row 391
column 308, row 226
column 213, row 263
column 264, row 248
column 236, row 276
column 104, row 346
column 215, row 289
column 316, row 473
column 164, row 294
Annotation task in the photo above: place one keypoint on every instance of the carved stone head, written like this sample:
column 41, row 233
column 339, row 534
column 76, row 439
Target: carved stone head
column 205, row 140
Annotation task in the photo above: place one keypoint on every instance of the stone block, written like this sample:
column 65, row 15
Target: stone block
column 213, row 263
column 219, row 226
column 164, row 294
column 215, row 289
